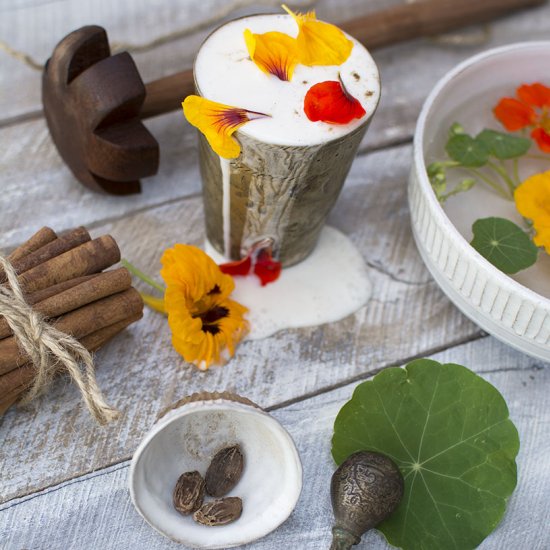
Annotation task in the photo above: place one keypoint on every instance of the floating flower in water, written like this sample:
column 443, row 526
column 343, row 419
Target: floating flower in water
column 218, row 122
column 259, row 261
column 319, row 43
column 531, row 109
column 273, row 52
column 330, row 102
column 532, row 199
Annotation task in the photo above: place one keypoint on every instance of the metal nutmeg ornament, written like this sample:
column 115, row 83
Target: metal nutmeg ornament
column 365, row 489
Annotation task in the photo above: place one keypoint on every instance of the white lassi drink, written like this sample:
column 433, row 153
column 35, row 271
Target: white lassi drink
column 290, row 169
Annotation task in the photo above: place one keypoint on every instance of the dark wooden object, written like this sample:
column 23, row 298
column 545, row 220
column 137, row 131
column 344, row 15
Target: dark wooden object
column 93, row 101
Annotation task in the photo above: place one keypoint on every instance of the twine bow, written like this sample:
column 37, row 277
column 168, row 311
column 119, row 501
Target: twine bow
column 50, row 349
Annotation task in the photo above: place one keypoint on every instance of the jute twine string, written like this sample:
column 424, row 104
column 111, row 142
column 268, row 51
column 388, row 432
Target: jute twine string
column 49, row 349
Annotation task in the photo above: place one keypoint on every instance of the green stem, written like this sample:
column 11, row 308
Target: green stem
column 495, row 186
column 454, row 191
column 140, row 275
column 516, row 171
column 501, row 171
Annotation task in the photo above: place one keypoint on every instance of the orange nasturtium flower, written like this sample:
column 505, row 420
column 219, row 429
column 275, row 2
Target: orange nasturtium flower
column 206, row 325
column 218, row 122
column 531, row 109
column 532, row 199
column 319, row 43
column 273, row 52
column 331, row 102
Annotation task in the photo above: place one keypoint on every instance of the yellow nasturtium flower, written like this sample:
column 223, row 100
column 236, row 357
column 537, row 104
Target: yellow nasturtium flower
column 218, row 122
column 319, row 43
column 273, row 52
column 206, row 324
column 532, row 199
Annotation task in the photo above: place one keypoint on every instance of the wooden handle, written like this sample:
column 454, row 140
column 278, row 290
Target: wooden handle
column 382, row 28
column 427, row 18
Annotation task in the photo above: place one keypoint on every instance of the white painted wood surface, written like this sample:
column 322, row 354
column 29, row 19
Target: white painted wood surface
column 62, row 479
column 94, row 511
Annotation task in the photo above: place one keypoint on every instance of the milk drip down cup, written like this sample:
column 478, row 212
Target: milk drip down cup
column 290, row 170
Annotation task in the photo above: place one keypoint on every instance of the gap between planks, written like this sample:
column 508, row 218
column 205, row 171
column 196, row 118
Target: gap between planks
column 327, row 389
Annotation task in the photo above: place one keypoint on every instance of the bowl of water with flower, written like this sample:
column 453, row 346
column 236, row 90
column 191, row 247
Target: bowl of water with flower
column 479, row 192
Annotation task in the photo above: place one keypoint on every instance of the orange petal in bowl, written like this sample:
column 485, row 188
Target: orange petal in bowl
column 273, row 52
column 218, row 122
column 330, row 102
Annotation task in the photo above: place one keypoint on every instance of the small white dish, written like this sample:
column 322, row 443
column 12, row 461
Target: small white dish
column 186, row 437
column 514, row 309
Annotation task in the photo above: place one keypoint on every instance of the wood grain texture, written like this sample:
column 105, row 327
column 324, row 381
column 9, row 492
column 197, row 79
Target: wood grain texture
column 95, row 511
column 141, row 374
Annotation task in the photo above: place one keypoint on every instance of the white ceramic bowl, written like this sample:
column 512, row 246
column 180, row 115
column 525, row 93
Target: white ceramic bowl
column 186, row 437
column 501, row 305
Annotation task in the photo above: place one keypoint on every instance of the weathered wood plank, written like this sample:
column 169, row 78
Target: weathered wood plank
column 142, row 374
column 94, row 511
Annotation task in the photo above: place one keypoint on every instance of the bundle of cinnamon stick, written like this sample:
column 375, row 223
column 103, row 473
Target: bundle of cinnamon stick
column 62, row 277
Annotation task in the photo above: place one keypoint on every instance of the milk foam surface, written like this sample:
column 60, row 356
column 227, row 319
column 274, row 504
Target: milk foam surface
column 330, row 284
column 225, row 73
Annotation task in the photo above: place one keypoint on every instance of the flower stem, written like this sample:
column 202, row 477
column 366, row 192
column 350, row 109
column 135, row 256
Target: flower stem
column 495, row 186
column 140, row 275
column 501, row 171
column 516, row 172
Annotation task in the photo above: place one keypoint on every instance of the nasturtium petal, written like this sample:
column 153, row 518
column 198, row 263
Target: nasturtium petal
column 449, row 432
column 330, row 102
column 274, row 53
column 319, row 43
column 504, row 146
column 218, row 122
column 504, row 244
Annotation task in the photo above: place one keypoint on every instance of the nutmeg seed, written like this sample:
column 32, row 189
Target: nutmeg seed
column 219, row 512
column 188, row 493
column 224, row 471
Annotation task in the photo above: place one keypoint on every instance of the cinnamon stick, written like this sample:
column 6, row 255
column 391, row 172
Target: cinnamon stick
column 91, row 289
column 13, row 384
column 40, row 295
column 51, row 250
column 90, row 257
column 79, row 323
column 39, row 239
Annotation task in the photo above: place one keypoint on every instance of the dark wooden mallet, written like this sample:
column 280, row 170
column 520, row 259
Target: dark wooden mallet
column 94, row 102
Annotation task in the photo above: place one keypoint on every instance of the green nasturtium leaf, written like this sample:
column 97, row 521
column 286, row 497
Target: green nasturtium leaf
column 449, row 432
column 504, row 244
column 504, row 146
column 467, row 150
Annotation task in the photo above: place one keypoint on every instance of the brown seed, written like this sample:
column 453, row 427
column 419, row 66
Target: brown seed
column 224, row 471
column 219, row 512
column 188, row 493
